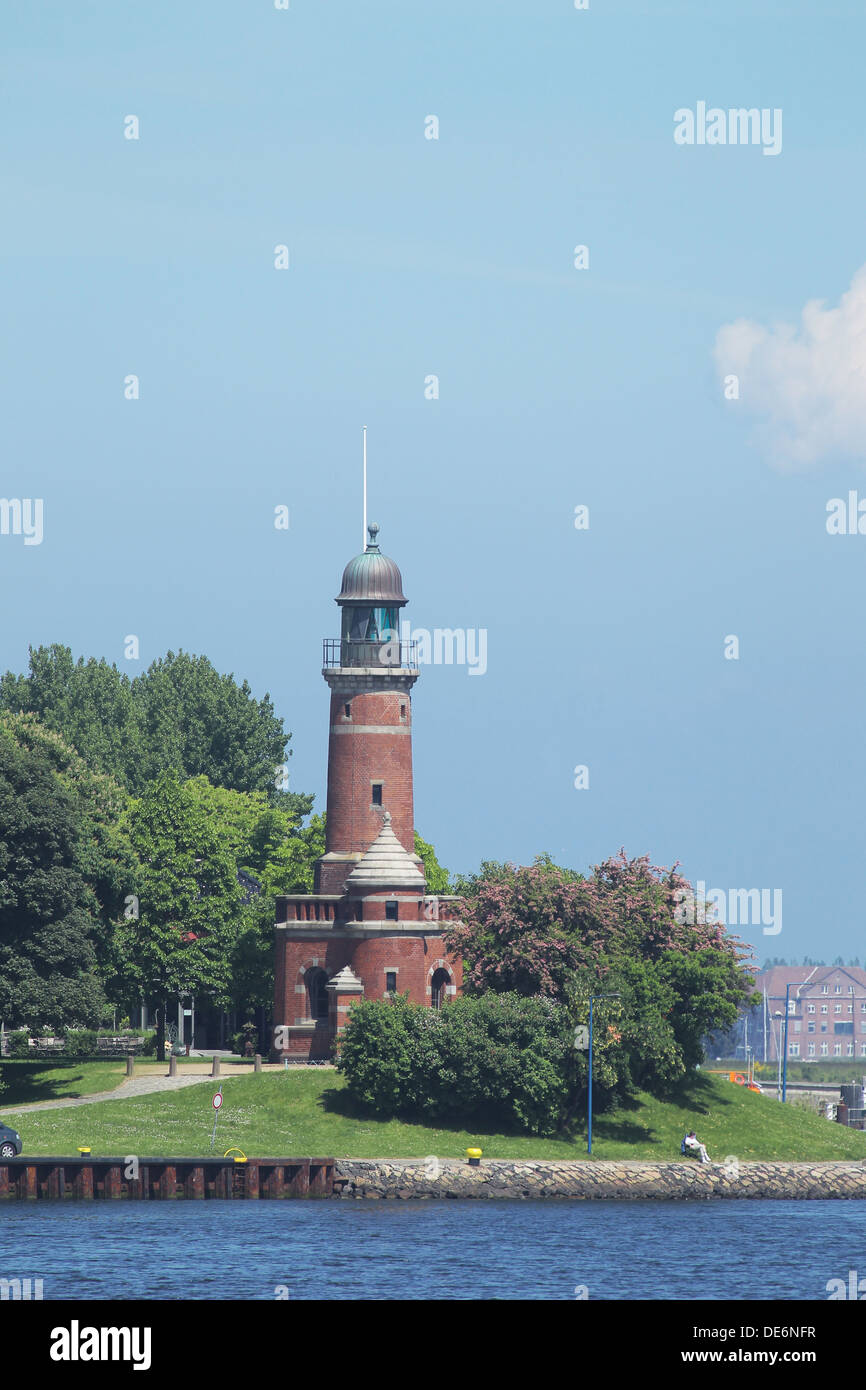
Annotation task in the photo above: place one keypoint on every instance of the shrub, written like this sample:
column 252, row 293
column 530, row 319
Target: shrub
column 81, row 1042
column 499, row 1059
column 248, row 1032
column 19, row 1043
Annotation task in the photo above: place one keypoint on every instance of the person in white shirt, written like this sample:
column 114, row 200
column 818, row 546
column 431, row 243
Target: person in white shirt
column 692, row 1142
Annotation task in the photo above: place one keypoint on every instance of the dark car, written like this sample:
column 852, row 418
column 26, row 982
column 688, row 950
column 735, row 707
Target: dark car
column 10, row 1142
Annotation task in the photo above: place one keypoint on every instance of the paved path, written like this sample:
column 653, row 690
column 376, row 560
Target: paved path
column 144, row 1086
column 137, row 1086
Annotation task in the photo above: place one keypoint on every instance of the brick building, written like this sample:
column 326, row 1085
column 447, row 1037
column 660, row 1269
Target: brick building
column 370, row 927
column 826, row 1012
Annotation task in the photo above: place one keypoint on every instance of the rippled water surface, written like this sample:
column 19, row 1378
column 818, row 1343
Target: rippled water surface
column 441, row 1249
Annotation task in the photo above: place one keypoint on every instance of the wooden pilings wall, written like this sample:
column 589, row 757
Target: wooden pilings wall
column 31, row 1179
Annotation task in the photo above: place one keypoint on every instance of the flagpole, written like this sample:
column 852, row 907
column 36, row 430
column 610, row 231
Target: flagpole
column 364, row 535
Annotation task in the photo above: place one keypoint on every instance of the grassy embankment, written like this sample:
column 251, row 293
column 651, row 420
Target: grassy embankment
column 25, row 1083
column 309, row 1112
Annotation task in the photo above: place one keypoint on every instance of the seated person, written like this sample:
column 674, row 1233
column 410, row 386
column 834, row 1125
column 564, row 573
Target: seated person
column 692, row 1145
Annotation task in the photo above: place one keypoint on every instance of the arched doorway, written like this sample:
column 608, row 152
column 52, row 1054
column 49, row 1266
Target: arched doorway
column 439, row 988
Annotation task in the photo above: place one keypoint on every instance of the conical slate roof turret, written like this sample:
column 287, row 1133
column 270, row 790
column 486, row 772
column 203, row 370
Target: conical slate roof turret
column 386, row 864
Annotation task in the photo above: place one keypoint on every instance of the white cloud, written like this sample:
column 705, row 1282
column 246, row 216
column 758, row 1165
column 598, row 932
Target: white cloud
column 809, row 384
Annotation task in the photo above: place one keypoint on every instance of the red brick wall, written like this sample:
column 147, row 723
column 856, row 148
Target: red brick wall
column 415, row 959
column 356, row 759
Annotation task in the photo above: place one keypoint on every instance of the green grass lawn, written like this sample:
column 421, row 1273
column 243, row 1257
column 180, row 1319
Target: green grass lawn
column 24, row 1082
column 310, row 1112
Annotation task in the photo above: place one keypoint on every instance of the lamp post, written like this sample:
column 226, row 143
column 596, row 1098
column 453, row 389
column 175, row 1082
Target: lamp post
column 592, row 999
column 787, row 1016
column 778, row 1015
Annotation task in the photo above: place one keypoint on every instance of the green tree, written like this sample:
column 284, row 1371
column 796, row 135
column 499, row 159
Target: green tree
column 438, row 879
column 180, row 715
column 49, row 914
column 194, row 720
column 542, row 931
column 189, row 902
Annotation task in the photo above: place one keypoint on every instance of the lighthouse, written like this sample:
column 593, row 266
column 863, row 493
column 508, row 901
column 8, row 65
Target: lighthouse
column 370, row 929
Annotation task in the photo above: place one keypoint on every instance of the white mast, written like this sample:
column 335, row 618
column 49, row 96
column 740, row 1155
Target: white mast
column 364, row 536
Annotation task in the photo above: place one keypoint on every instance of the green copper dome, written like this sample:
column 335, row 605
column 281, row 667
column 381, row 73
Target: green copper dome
column 371, row 577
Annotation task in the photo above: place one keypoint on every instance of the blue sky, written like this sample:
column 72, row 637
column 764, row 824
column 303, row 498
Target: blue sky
column 558, row 387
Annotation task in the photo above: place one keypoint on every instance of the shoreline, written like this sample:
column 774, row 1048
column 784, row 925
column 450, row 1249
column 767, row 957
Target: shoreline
column 598, row 1180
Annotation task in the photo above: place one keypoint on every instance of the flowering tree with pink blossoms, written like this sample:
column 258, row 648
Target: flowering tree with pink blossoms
column 542, row 931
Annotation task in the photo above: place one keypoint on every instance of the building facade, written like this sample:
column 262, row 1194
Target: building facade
column 826, row 1013
column 369, row 928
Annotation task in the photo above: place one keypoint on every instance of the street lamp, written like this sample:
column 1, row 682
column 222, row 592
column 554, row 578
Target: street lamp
column 787, row 1016
column 592, row 999
column 778, row 1040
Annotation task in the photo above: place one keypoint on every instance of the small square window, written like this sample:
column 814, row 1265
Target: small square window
column 391, row 981
column 837, row 989
column 823, row 1008
column 391, row 908
column 810, row 1008
column 810, row 1027
column 377, row 793
column 823, row 1027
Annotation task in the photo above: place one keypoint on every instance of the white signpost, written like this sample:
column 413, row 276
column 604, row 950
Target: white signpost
column 581, row 1037
column 217, row 1102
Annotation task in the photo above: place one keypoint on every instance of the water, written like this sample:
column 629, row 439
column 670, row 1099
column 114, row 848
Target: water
column 423, row 1250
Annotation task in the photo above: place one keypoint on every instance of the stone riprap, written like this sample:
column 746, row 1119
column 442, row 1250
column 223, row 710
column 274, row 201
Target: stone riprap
column 613, row 1180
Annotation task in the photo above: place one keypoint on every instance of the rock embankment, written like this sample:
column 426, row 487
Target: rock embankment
column 619, row 1180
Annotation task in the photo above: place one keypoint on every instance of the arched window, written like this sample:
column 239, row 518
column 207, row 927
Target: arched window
column 441, row 979
column 316, row 982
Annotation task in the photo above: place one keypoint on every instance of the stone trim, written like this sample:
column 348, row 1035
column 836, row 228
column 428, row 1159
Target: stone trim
column 440, row 964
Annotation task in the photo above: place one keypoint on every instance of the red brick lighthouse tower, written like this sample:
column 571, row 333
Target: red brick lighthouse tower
column 370, row 928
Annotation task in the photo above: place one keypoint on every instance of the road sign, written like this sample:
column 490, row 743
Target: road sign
column 581, row 1037
column 216, row 1102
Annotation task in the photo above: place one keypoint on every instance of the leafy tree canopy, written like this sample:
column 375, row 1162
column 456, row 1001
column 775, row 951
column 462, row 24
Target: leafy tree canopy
column 189, row 901
column 49, row 913
column 180, row 715
column 438, row 879
column 546, row 932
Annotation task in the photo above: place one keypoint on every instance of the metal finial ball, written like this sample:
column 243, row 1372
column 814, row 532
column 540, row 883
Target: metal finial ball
column 373, row 530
